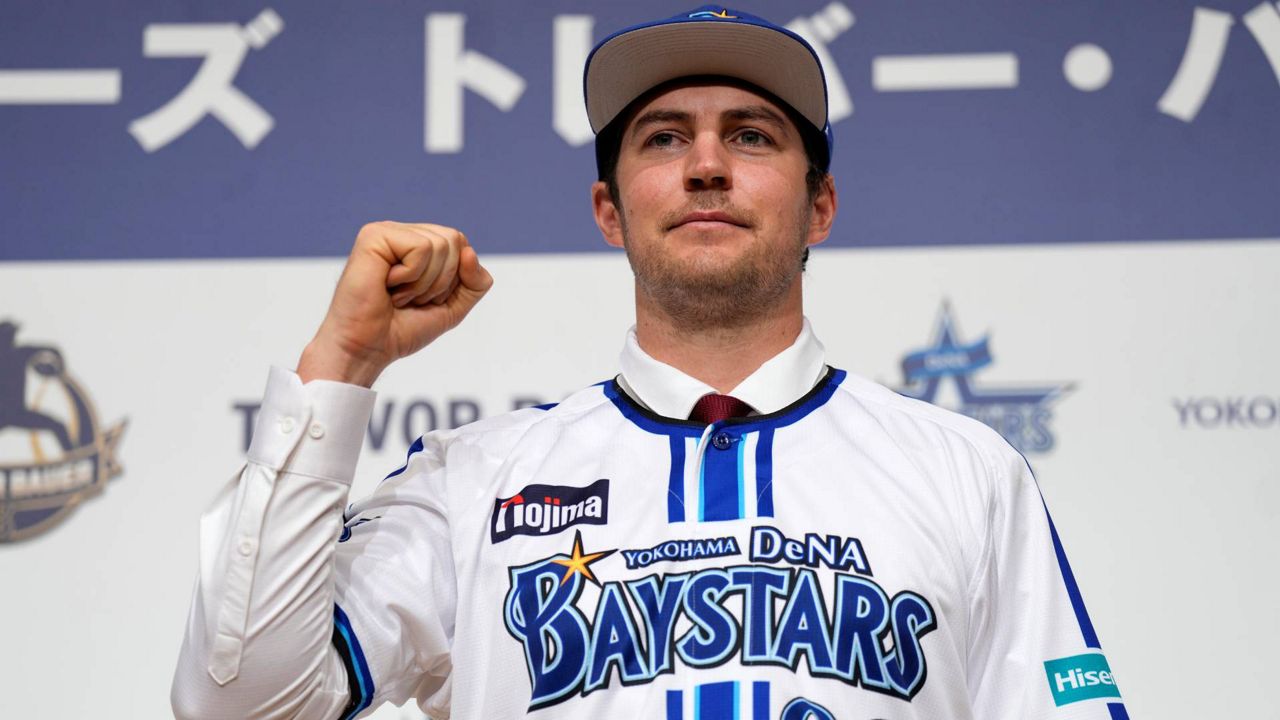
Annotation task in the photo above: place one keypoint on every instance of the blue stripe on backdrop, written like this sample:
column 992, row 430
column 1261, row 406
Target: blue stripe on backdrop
column 348, row 120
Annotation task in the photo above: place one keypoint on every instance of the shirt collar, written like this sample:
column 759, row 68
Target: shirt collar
column 669, row 392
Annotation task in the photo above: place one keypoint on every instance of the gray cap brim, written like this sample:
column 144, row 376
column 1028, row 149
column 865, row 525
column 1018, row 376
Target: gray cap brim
column 624, row 67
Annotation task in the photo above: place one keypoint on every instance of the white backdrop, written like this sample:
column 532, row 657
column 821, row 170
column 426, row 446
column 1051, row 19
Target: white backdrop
column 1171, row 526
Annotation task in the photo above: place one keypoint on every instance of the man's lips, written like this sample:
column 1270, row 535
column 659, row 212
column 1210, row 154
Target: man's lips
column 708, row 216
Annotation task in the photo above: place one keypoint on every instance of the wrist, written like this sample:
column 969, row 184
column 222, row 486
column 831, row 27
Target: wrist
column 324, row 361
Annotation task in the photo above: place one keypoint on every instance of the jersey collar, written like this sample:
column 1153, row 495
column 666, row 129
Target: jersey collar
column 669, row 392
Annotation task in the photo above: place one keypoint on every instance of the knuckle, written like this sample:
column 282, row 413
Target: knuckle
column 371, row 230
column 434, row 285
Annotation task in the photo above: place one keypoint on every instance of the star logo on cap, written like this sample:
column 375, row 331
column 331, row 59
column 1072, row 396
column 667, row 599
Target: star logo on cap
column 580, row 562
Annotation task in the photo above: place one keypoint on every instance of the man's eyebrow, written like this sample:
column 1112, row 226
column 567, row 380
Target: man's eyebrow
column 655, row 117
column 758, row 113
column 752, row 113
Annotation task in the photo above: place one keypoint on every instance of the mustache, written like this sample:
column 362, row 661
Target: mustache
column 710, row 203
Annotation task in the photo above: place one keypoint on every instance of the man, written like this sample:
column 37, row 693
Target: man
column 728, row 529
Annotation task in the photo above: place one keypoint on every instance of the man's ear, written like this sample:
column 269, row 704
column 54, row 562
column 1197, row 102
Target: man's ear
column 608, row 215
column 825, row 203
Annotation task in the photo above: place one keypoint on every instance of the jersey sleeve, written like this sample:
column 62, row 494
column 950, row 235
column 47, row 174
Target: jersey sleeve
column 1033, row 651
column 395, row 588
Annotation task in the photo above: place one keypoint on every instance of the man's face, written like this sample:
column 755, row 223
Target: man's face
column 714, row 212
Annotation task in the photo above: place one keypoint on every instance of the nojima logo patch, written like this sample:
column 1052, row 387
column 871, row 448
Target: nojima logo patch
column 53, row 452
column 548, row 509
column 1080, row 677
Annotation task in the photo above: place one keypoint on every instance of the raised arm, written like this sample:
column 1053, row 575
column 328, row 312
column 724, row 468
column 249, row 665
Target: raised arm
column 266, row 636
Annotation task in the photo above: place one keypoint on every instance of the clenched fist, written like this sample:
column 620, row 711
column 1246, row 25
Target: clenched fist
column 404, row 285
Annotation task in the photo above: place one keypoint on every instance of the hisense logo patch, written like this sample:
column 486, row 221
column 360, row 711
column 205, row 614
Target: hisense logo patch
column 1080, row 677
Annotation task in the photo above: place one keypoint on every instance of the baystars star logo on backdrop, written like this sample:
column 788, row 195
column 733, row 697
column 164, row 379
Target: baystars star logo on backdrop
column 1022, row 416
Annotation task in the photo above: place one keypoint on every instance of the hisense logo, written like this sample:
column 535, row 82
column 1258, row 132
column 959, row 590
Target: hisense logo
column 1081, row 677
column 548, row 509
column 1078, row 678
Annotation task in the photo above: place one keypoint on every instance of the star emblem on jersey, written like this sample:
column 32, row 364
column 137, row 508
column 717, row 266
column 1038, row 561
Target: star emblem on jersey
column 580, row 562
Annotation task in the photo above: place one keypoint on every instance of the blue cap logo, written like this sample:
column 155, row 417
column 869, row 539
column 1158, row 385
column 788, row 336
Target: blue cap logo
column 707, row 14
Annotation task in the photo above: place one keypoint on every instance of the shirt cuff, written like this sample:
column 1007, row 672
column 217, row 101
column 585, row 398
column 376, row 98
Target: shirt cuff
column 313, row 429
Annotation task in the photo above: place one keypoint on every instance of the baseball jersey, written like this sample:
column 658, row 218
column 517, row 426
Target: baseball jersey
column 851, row 554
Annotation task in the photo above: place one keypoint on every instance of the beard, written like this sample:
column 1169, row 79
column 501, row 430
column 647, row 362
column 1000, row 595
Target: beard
column 707, row 292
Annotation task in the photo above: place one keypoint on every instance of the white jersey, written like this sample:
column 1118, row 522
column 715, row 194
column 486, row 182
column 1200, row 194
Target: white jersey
column 853, row 555
column 856, row 555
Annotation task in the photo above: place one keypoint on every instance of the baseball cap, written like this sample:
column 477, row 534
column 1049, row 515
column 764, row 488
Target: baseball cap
column 709, row 41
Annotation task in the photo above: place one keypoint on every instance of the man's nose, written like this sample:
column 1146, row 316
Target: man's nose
column 707, row 164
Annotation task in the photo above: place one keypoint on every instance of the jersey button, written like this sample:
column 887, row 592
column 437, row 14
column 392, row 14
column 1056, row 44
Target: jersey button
column 721, row 440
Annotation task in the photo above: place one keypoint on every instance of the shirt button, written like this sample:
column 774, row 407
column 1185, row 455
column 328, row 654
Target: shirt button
column 721, row 440
column 286, row 425
column 246, row 547
column 316, row 431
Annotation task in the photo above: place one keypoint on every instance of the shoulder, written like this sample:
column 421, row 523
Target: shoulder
column 503, row 430
column 925, row 428
column 486, row 444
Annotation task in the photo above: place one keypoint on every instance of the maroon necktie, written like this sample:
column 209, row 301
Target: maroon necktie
column 712, row 408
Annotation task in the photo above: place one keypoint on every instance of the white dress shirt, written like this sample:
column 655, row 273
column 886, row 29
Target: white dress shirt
column 669, row 392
